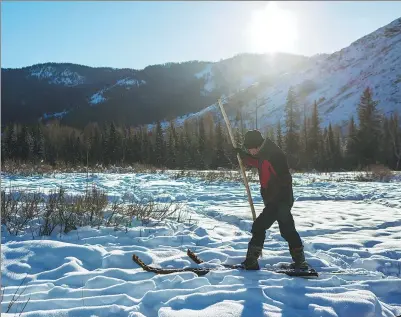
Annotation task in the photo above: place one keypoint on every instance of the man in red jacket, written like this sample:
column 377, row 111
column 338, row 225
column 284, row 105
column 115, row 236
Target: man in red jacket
column 276, row 190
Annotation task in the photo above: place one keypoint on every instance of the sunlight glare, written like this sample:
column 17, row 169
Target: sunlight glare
column 273, row 29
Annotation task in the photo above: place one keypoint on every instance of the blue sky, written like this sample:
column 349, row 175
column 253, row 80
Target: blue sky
column 137, row 34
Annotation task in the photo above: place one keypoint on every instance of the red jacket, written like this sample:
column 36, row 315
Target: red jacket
column 274, row 175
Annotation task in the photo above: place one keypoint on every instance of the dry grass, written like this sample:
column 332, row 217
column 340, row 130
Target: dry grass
column 19, row 306
column 43, row 214
column 376, row 173
column 211, row 176
column 31, row 169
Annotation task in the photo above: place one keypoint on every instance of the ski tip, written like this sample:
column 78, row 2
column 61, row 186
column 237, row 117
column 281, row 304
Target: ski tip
column 137, row 260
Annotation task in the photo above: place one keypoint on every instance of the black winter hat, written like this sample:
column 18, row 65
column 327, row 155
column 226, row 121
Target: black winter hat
column 253, row 139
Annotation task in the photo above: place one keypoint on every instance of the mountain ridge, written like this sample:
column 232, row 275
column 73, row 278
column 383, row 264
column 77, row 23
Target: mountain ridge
column 174, row 91
column 336, row 81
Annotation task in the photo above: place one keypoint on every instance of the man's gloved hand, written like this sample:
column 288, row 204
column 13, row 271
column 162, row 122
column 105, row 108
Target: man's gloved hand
column 237, row 149
column 241, row 152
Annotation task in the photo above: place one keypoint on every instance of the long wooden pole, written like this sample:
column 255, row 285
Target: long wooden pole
column 230, row 132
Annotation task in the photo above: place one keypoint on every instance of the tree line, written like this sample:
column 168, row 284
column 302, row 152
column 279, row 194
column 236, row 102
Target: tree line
column 203, row 143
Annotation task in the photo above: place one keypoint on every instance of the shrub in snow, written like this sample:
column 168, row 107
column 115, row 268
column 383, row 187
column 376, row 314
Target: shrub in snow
column 43, row 214
column 18, row 209
column 377, row 172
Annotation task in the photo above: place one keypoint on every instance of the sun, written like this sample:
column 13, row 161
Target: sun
column 272, row 29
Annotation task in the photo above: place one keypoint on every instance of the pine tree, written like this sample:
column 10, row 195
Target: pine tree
column 238, row 129
column 369, row 128
column 352, row 148
column 129, row 146
column 304, row 142
column 124, row 139
column 105, row 145
column 25, row 144
column 210, row 144
column 386, row 155
column 182, row 151
column 50, row 146
column 39, row 144
column 315, row 136
column 70, row 149
column 395, row 135
column 292, row 133
column 325, row 151
column 77, row 148
column 11, row 141
column 279, row 135
column 137, row 147
column 270, row 134
column 171, row 160
column 172, row 146
column 160, row 154
column 147, row 150
column 331, row 149
column 339, row 153
column 220, row 159
column 201, row 144
column 4, row 149
column 190, row 146
column 93, row 144
column 114, row 145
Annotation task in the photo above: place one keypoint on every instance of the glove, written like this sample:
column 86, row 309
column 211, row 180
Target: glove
column 240, row 151
column 237, row 149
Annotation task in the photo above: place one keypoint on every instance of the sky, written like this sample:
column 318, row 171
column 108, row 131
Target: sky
column 137, row 34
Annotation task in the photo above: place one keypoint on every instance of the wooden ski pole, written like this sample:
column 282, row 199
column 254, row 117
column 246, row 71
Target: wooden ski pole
column 239, row 160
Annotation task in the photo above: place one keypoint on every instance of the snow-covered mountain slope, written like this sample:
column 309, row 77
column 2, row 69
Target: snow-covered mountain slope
column 335, row 81
column 242, row 70
column 55, row 75
column 128, row 83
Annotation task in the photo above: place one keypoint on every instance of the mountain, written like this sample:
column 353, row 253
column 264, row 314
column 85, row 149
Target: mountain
column 77, row 94
column 335, row 81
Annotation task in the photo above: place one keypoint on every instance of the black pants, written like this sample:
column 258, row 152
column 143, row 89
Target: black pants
column 280, row 212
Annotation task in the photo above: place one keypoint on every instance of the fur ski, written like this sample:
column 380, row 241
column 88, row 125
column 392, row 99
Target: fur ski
column 204, row 271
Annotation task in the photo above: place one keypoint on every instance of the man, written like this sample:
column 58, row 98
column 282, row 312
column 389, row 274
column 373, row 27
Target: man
column 276, row 190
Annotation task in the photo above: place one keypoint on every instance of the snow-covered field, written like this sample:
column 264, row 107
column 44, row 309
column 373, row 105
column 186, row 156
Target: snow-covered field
column 89, row 272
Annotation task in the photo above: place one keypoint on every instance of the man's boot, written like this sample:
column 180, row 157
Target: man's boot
column 251, row 261
column 298, row 257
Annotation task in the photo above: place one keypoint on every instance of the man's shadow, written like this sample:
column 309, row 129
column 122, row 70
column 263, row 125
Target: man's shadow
column 253, row 305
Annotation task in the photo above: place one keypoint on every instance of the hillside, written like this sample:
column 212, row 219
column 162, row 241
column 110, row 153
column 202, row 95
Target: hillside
column 78, row 94
column 335, row 81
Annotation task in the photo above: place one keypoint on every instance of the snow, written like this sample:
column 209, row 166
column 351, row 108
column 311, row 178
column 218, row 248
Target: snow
column 89, row 272
column 127, row 82
column 55, row 114
column 207, row 74
column 339, row 78
column 179, row 122
column 43, row 72
column 130, row 82
column 56, row 76
column 97, row 98
column 207, row 71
